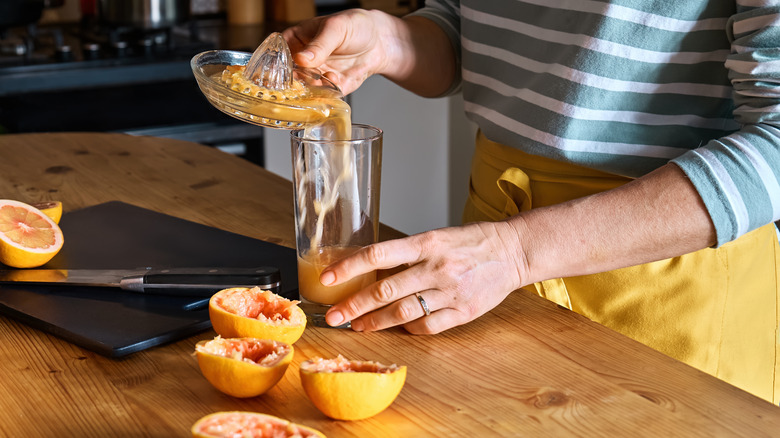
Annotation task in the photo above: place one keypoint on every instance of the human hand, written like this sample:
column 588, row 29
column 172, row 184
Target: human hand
column 461, row 272
column 349, row 46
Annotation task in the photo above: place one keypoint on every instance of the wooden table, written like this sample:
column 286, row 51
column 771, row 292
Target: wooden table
column 528, row 368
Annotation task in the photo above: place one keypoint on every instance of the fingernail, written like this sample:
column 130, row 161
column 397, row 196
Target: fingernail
column 357, row 326
column 327, row 278
column 334, row 318
column 307, row 54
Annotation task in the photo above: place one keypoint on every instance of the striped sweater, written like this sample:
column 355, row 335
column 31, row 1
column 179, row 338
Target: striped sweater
column 625, row 86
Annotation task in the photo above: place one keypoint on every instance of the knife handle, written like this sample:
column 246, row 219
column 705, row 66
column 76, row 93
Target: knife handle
column 201, row 282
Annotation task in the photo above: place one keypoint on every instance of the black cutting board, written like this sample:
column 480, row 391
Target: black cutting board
column 116, row 235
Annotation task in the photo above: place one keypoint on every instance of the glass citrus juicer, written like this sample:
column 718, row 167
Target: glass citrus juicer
column 267, row 89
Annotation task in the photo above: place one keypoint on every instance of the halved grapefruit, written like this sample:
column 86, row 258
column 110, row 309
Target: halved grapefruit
column 28, row 237
column 243, row 367
column 351, row 389
column 243, row 312
column 249, row 425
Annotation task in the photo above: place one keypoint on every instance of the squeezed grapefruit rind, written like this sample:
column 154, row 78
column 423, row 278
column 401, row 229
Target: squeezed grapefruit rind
column 241, row 423
column 346, row 394
column 53, row 209
column 243, row 367
column 286, row 322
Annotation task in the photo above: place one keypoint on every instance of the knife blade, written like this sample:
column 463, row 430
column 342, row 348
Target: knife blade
column 198, row 282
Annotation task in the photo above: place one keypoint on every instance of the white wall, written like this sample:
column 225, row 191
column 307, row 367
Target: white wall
column 426, row 154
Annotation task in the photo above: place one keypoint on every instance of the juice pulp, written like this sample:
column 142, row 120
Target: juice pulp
column 296, row 107
column 311, row 265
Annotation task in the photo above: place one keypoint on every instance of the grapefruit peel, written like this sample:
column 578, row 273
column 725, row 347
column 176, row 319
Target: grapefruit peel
column 350, row 389
column 53, row 209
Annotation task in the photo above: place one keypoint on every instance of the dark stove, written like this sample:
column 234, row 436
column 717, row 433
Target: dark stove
column 46, row 58
column 88, row 77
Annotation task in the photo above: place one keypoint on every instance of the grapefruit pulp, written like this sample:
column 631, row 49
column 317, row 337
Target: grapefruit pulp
column 249, row 425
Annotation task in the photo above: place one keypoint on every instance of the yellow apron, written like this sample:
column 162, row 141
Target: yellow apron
column 714, row 309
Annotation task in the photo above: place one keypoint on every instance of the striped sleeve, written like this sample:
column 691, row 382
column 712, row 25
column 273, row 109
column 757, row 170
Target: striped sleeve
column 737, row 175
column 626, row 86
column 446, row 14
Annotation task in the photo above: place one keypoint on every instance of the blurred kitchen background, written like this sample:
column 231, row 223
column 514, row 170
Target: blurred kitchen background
column 123, row 66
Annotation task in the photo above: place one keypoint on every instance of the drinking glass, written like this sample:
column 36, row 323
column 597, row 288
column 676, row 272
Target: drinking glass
column 336, row 194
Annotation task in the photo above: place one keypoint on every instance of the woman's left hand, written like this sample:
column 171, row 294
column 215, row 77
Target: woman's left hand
column 460, row 272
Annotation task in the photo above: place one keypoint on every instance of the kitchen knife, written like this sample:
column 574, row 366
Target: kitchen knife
column 193, row 282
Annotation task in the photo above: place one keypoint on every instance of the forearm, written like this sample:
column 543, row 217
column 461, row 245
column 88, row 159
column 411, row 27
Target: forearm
column 654, row 217
column 423, row 60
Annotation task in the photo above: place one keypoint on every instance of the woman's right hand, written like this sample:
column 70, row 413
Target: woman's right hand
column 351, row 45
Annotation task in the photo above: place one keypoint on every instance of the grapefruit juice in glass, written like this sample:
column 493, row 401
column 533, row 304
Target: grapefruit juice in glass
column 310, row 267
column 336, row 176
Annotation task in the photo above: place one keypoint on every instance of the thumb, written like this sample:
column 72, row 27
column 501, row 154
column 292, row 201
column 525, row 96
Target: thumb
column 315, row 53
column 308, row 58
column 328, row 37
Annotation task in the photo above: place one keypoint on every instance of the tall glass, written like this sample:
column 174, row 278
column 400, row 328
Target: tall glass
column 336, row 193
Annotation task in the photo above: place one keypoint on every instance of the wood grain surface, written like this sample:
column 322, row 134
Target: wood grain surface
column 528, row 368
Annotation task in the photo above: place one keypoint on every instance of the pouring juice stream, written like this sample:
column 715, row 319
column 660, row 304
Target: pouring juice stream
column 336, row 126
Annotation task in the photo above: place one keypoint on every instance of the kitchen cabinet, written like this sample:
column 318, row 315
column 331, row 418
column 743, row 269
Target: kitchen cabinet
column 427, row 151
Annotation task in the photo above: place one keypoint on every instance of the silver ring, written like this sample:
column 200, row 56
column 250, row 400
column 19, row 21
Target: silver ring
column 423, row 304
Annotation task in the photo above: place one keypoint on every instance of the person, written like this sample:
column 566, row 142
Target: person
column 626, row 167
